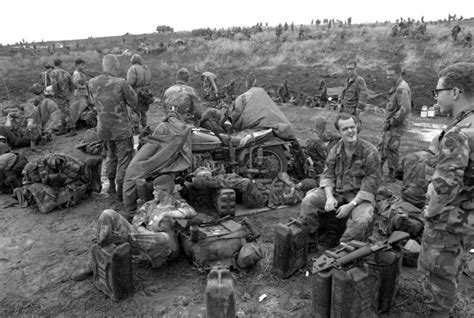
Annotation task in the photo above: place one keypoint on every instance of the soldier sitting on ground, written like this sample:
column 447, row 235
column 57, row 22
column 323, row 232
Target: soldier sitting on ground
column 57, row 180
column 11, row 166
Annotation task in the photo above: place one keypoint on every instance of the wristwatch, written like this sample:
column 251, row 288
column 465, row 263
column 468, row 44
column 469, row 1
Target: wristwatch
column 354, row 203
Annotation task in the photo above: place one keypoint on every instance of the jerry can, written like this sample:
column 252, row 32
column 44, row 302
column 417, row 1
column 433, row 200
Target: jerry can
column 321, row 294
column 431, row 112
column 290, row 251
column 424, row 112
column 386, row 267
column 353, row 293
column 112, row 269
column 220, row 298
column 224, row 201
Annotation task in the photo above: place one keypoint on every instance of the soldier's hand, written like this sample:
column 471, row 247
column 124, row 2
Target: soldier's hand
column 331, row 204
column 344, row 210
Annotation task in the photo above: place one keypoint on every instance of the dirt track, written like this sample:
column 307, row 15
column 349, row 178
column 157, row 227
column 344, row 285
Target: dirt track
column 41, row 251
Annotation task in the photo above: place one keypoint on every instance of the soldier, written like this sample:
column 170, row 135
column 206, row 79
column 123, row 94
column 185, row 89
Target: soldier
column 348, row 184
column 81, row 98
column 455, row 31
column 283, row 92
column 320, row 143
column 354, row 95
column 183, row 99
column 139, row 76
column 155, row 218
column 323, row 93
column 112, row 95
column 62, row 87
column 449, row 214
column 210, row 87
column 278, row 31
column 11, row 166
column 47, row 114
column 396, row 122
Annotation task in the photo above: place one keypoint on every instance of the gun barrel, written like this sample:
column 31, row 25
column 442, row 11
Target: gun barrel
column 361, row 252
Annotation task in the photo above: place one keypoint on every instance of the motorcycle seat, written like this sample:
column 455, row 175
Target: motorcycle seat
column 246, row 137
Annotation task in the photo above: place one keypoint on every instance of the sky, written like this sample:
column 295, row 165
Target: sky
column 33, row 20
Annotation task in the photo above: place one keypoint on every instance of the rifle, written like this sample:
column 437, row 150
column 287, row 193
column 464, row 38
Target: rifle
column 362, row 252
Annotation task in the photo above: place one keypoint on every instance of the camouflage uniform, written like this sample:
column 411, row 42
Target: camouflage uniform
column 396, row 123
column 45, row 77
column 139, row 76
column 356, row 177
column 11, row 166
column 182, row 99
column 47, row 115
column 111, row 96
column 63, row 86
column 81, row 99
column 156, row 245
column 317, row 149
column 449, row 214
column 354, row 95
column 283, row 92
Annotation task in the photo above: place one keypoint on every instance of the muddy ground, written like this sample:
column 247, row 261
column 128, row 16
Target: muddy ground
column 39, row 252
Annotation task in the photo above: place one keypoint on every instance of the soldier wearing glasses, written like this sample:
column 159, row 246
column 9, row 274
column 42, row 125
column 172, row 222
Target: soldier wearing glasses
column 449, row 213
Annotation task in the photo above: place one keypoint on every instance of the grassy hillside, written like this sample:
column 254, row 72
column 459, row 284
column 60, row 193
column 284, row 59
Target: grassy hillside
column 321, row 55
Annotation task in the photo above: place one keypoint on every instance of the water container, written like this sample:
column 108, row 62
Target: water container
column 321, row 294
column 386, row 268
column 290, row 251
column 112, row 268
column 220, row 298
column 224, row 201
column 424, row 112
column 353, row 294
column 437, row 109
column 431, row 112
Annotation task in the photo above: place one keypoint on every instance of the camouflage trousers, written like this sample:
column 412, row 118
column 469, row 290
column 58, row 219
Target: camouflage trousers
column 359, row 223
column 145, row 99
column 119, row 155
column 440, row 264
column 388, row 149
column 64, row 106
column 155, row 247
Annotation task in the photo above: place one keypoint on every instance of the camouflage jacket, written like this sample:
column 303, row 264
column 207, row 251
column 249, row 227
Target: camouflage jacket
column 360, row 174
column 138, row 75
column 45, row 78
column 62, row 83
column 184, row 100
column 451, row 190
column 355, row 92
column 210, row 81
column 416, row 170
column 317, row 148
column 80, row 84
column 399, row 106
column 112, row 95
column 149, row 210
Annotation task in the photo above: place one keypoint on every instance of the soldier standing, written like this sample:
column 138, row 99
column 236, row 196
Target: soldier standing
column 112, row 95
column 209, row 80
column 139, row 76
column 396, row 122
column 183, row 99
column 62, row 86
column 354, row 95
column 449, row 214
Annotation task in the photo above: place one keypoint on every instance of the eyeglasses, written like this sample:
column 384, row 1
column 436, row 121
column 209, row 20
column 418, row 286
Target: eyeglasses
column 437, row 90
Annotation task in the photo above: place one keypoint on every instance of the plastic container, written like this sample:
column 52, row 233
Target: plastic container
column 112, row 269
column 321, row 294
column 431, row 112
column 220, row 298
column 224, row 201
column 424, row 112
column 353, row 293
column 386, row 268
column 290, row 251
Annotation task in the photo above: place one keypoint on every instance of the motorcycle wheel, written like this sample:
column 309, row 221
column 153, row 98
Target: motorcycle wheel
column 274, row 161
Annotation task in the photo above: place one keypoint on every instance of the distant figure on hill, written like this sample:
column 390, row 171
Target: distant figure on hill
column 209, row 80
column 139, row 77
column 354, row 95
column 278, row 31
column 301, row 33
column 183, row 99
column 455, row 31
column 322, row 93
column 283, row 92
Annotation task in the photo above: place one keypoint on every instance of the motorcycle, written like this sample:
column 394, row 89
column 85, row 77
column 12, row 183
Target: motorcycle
column 256, row 154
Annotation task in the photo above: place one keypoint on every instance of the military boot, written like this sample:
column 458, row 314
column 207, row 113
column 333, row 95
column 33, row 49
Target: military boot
column 111, row 189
